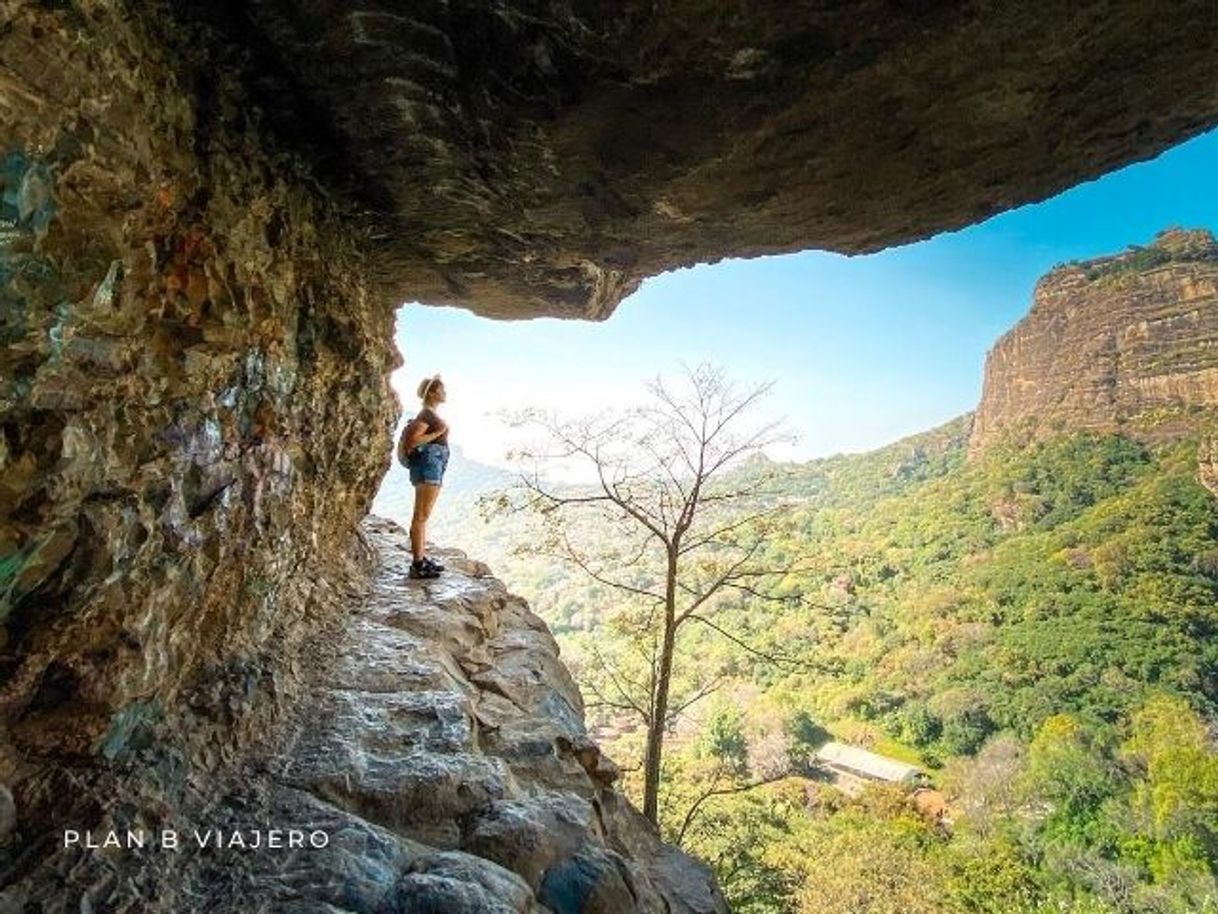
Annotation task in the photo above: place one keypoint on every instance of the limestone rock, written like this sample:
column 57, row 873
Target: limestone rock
column 207, row 215
column 1124, row 343
column 528, row 158
column 8, row 816
column 193, row 390
column 439, row 788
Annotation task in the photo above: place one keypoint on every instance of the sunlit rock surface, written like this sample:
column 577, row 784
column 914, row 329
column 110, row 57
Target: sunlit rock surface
column 1125, row 343
column 439, row 743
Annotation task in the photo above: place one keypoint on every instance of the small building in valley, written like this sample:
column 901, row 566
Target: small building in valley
column 859, row 763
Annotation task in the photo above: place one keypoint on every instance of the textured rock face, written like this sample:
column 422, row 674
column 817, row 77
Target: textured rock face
column 1126, row 343
column 1207, row 463
column 204, row 204
column 193, row 396
column 529, row 158
column 439, row 744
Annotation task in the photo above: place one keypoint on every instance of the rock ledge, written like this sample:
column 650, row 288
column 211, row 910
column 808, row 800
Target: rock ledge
column 439, row 743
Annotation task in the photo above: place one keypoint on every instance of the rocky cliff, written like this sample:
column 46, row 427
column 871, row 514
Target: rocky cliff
column 544, row 156
column 434, row 759
column 193, row 396
column 1126, row 343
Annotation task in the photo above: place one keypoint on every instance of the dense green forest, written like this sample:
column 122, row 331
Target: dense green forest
column 1034, row 627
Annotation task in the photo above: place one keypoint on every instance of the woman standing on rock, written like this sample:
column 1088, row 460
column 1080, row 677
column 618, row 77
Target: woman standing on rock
column 423, row 449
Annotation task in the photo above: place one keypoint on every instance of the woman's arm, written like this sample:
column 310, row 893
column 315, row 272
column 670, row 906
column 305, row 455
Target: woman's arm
column 415, row 434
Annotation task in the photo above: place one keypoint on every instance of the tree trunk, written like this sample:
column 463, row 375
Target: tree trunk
column 659, row 706
column 656, row 727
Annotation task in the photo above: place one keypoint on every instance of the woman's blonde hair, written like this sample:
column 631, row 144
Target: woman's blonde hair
column 426, row 385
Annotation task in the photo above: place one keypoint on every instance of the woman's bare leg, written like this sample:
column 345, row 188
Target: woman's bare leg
column 425, row 495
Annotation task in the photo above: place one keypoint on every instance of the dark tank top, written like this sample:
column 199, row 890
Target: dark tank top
column 428, row 415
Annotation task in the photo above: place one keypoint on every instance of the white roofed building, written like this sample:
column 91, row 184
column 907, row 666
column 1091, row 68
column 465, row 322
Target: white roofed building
column 859, row 763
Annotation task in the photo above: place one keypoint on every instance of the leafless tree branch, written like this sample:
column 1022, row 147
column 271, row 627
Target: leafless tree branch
column 789, row 664
column 716, row 791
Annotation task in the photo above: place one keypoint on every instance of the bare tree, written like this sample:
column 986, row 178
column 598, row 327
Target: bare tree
column 681, row 517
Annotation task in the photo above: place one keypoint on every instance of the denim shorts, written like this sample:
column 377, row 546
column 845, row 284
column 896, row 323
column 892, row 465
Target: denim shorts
column 427, row 463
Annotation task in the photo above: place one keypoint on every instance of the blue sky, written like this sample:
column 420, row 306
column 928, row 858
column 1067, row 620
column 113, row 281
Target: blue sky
column 862, row 350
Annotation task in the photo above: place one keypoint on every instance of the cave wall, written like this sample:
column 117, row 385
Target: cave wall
column 194, row 393
column 210, row 209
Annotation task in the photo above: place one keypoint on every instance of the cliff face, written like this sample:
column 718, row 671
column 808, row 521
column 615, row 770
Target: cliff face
column 1207, row 463
column 437, row 742
column 1126, row 343
column 193, row 394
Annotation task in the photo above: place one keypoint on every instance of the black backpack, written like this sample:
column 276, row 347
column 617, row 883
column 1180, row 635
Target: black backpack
column 403, row 455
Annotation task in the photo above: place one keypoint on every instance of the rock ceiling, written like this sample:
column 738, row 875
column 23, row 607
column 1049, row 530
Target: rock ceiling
column 530, row 158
